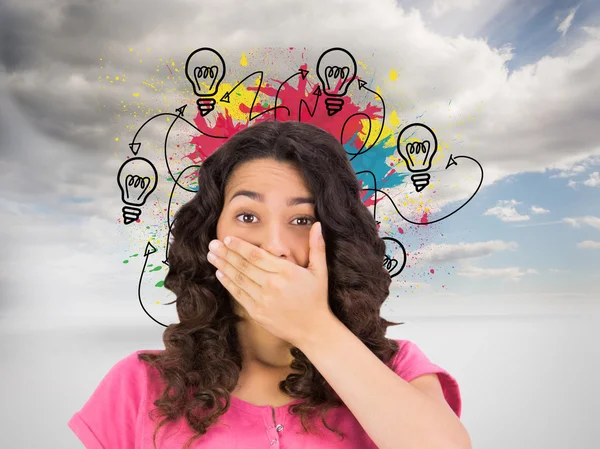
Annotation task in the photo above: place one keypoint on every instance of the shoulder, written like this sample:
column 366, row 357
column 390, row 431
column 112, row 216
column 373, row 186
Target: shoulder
column 415, row 367
column 108, row 418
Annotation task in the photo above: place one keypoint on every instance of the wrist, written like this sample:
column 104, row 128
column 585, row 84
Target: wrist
column 321, row 331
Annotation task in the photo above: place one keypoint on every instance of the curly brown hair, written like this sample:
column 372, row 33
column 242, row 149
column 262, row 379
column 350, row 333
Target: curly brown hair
column 202, row 359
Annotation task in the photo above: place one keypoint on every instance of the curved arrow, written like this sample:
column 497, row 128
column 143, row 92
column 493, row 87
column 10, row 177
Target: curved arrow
column 169, row 224
column 149, row 250
column 300, row 72
column 362, row 85
column 451, row 161
column 366, row 138
column 135, row 146
column 225, row 98
column 316, row 91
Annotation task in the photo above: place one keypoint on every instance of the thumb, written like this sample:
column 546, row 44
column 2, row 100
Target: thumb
column 317, row 260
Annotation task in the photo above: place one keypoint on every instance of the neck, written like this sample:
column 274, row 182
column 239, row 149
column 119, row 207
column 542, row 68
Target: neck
column 259, row 348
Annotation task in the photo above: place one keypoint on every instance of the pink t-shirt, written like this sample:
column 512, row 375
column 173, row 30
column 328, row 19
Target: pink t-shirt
column 116, row 416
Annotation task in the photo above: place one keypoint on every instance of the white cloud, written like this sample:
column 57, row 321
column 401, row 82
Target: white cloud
column 513, row 123
column 566, row 23
column 539, row 210
column 593, row 180
column 505, row 210
column 572, row 184
column 589, row 244
column 446, row 252
column 441, row 7
column 577, row 222
column 509, row 273
column 570, row 172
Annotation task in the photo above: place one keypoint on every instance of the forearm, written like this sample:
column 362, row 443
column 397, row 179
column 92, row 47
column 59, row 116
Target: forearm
column 395, row 414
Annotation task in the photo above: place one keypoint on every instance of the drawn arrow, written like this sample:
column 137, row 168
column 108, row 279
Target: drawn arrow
column 363, row 85
column 135, row 146
column 451, row 161
column 317, row 92
column 150, row 249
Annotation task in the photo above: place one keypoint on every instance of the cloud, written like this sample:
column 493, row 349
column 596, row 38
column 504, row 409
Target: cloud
column 589, row 244
column 451, row 252
column 505, row 210
column 593, row 180
column 578, row 222
column 59, row 117
column 441, row 7
column 539, row 210
column 570, row 172
column 508, row 273
column 566, row 23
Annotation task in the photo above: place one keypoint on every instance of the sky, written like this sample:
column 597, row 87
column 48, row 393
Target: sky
column 513, row 85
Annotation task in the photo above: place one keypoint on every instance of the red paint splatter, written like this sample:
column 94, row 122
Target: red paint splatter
column 424, row 219
column 300, row 100
column 401, row 231
column 432, row 271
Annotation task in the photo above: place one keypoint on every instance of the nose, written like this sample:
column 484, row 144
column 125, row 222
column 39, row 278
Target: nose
column 274, row 240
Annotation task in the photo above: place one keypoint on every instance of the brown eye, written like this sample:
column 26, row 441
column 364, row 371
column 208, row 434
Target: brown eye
column 246, row 214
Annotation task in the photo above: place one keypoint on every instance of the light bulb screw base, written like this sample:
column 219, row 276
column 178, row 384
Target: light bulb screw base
column 205, row 105
column 420, row 180
column 131, row 214
column 334, row 105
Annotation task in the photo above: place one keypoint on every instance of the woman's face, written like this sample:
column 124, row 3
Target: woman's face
column 268, row 204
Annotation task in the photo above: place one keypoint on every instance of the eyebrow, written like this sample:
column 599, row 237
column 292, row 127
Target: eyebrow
column 293, row 201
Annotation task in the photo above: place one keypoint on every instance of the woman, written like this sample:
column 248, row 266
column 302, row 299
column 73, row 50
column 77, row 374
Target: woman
column 286, row 348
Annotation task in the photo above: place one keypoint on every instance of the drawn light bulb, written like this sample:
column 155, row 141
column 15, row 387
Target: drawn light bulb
column 336, row 69
column 417, row 145
column 137, row 179
column 205, row 69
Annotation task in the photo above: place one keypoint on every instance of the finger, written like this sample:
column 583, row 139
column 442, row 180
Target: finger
column 239, row 279
column 241, row 264
column 238, row 293
column 255, row 255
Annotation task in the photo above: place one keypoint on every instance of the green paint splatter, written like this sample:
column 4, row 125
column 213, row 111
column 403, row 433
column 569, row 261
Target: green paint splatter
column 157, row 268
column 135, row 255
column 160, row 283
column 265, row 105
column 125, row 261
column 149, row 265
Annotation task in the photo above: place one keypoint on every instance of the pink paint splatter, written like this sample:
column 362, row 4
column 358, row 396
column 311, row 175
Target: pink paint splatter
column 424, row 219
column 401, row 231
column 432, row 271
column 300, row 101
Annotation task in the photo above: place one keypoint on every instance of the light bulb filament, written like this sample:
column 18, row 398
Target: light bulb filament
column 204, row 72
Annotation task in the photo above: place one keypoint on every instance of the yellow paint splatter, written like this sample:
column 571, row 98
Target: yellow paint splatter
column 148, row 84
column 116, row 139
column 136, row 94
column 393, row 75
column 394, row 120
column 100, row 59
column 130, row 49
column 362, row 64
column 244, row 60
column 117, row 78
